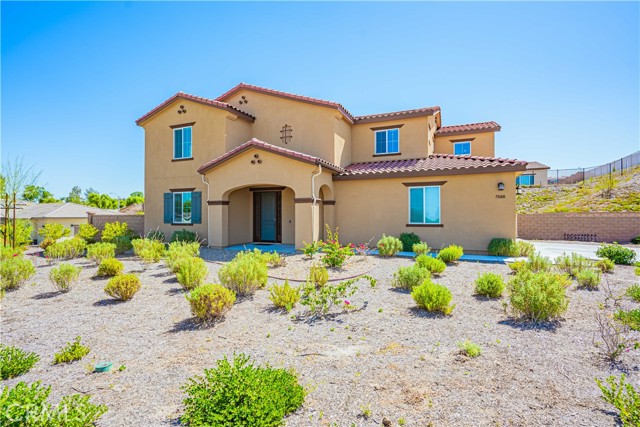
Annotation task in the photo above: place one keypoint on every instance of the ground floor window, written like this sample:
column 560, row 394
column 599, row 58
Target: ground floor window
column 424, row 205
column 182, row 208
column 524, row 180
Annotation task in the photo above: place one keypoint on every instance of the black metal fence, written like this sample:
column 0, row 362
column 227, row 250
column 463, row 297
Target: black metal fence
column 573, row 176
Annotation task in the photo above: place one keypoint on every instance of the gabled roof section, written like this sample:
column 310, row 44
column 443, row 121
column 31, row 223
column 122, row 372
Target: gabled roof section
column 256, row 143
column 418, row 112
column 436, row 164
column 58, row 210
column 536, row 166
column 200, row 100
column 468, row 128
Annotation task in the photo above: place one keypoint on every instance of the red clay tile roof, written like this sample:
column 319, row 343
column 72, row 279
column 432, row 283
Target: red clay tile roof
column 427, row 111
column 205, row 101
column 468, row 128
column 436, row 164
column 536, row 165
column 256, row 143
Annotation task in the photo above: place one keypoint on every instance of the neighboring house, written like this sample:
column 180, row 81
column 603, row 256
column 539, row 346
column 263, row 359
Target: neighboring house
column 71, row 215
column 258, row 165
column 536, row 174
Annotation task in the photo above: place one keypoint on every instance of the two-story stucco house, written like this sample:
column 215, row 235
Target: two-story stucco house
column 259, row 165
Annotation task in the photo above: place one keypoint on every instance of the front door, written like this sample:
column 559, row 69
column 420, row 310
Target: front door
column 267, row 213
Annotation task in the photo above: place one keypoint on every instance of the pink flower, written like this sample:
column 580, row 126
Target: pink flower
column 346, row 302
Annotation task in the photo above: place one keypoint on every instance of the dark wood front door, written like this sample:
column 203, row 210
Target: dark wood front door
column 267, row 216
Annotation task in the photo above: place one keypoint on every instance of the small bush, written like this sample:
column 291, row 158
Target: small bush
column 54, row 231
column 123, row 244
column 589, row 279
column 98, row 252
column 617, row 253
column 335, row 254
column 605, row 265
column 63, row 276
column 410, row 277
column 319, row 301
column 110, row 267
column 318, row 275
column 490, row 285
column 191, row 272
column 310, row 249
column 636, row 240
column 244, row 275
column 630, row 318
column 66, row 249
column 572, row 264
column 634, row 292
column 434, row 265
column 274, row 259
column 7, row 252
column 450, row 254
column 123, row 287
column 179, row 250
column 210, row 302
column 14, row 272
column 420, row 249
column 516, row 266
column 149, row 250
column 538, row 296
column 71, row 352
column 408, row 240
column 525, row 248
column 284, row 296
column 433, row 297
column 15, row 361
column 22, row 232
column 469, row 348
column 389, row 246
column 87, row 232
column 185, row 236
column 503, row 247
column 624, row 397
column 113, row 230
column 241, row 394
column 537, row 263
column 156, row 235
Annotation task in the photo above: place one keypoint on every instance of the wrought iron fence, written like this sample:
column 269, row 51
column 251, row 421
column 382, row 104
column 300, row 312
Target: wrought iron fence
column 573, row 176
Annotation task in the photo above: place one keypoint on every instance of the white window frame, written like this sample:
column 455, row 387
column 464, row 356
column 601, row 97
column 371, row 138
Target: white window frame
column 173, row 207
column 375, row 143
column 174, row 142
column 424, row 205
column 455, row 144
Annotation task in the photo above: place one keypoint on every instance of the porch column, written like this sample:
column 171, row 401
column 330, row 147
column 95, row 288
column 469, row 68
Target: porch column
column 307, row 229
column 218, row 223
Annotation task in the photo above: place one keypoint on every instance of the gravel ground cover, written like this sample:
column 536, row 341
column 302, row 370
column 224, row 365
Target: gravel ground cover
column 384, row 356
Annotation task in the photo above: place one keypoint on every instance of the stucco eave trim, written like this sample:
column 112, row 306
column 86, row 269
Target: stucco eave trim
column 436, row 172
column 465, row 132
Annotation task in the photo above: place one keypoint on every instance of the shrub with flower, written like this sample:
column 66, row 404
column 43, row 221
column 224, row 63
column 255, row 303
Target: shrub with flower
column 363, row 248
column 334, row 253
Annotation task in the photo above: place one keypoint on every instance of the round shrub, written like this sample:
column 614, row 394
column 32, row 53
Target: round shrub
column 149, row 250
column 87, row 232
column 617, row 253
column 588, row 278
column 14, row 272
column 179, row 250
column 434, row 265
column 66, row 249
column 420, row 248
column 451, row 253
column 525, row 248
column 244, row 275
column 241, row 394
column 53, row 231
column 185, row 236
column 408, row 240
column 98, row 252
column 15, row 361
column 433, row 297
column 389, row 246
column 110, row 267
column 63, row 276
column 516, row 266
column 318, row 275
column 572, row 264
column 123, row 287
column 503, row 247
column 490, row 285
column 538, row 263
column 191, row 272
column 410, row 277
column 538, row 296
column 284, row 296
column 210, row 302
column 605, row 265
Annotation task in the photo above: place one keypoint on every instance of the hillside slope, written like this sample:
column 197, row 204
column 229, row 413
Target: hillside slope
column 620, row 193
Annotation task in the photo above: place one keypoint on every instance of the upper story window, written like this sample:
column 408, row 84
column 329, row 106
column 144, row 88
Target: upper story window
column 424, row 205
column 182, row 208
column 182, row 143
column 387, row 141
column 462, row 148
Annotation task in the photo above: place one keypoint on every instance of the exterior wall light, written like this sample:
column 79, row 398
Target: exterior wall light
column 500, row 186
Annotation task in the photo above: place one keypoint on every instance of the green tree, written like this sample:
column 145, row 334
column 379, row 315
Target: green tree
column 36, row 193
column 137, row 197
column 102, row 201
column 75, row 195
column 89, row 191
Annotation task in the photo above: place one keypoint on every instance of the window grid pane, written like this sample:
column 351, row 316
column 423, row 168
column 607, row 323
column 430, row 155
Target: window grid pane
column 186, row 207
column 177, row 143
column 381, row 142
column 416, row 205
column 177, row 207
column 432, row 205
column 392, row 141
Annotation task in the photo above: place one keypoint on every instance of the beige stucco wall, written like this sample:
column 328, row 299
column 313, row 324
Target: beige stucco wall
column 540, row 177
column 473, row 211
column 413, row 140
column 483, row 144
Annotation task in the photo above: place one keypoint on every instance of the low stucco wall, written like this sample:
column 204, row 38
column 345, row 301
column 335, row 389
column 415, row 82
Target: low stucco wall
column 581, row 226
column 135, row 222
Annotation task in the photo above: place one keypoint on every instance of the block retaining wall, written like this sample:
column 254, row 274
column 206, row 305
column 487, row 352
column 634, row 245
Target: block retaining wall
column 135, row 222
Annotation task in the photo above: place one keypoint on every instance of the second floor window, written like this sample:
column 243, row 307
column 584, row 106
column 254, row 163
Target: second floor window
column 182, row 143
column 387, row 141
column 182, row 208
column 462, row 148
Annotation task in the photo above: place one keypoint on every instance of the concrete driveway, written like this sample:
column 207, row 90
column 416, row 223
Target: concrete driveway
column 586, row 249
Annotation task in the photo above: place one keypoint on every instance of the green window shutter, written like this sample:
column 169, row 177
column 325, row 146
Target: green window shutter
column 196, row 207
column 168, row 208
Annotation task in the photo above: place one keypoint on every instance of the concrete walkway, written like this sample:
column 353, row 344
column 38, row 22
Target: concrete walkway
column 586, row 249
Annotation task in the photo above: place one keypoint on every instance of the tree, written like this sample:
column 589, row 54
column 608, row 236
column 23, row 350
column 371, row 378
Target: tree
column 35, row 193
column 17, row 177
column 89, row 191
column 102, row 201
column 137, row 197
column 75, row 195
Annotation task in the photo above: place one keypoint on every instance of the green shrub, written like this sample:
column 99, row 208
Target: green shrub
column 616, row 253
column 110, row 267
column 185, row 236
column 179, row 250
column 490, row 285
column 149, row 250
column 22, row 232
column 503, row 247
column 589, row 279
column 624, row 397
column 319, row 301
column 113, row 230
column 408, row 240
column 14, row 272
column 389, row 246
column 66, row 249
column 87, row 232
column 433, row 297
column 7, row 252
column 410, row 277
column 636, row 240
column 318, row 275
column 26, row 406
column 525, row 248
column 71, row 352
column 191, row 272
column 63, row 276
column 630, row 318
column 123, row 244
column 335, row 254
column 15, row 361
column 451, row 253
column 572, row 264
column 54, row 231
column 516, row 266
column 434, row 265
column 284, row 296
column 469, row 348
column 244, row 275
column 310, row 249
column 634, row 292
column 537, row 263
column 98, row 252
column 241, row 394
column 155, row 235
column 210, row 302
column 123, row 287
column 605, row 265
column 274, row 259
column 420, row 248
column 538, row 296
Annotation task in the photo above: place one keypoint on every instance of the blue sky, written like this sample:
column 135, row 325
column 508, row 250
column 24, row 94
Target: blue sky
column 561, row 78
